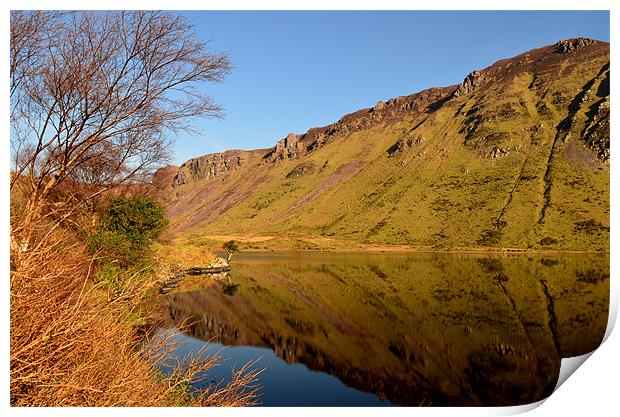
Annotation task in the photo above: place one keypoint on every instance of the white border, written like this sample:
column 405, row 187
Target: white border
column 591, row 391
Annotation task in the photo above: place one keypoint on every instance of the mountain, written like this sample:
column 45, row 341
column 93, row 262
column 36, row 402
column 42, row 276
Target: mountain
column 516, row 156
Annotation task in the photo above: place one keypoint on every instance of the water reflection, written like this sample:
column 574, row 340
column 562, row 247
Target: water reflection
column 423, row 329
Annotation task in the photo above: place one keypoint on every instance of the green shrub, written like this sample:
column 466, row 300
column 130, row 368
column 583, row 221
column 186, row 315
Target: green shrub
column 119, row 280
column 231, row 247
column 114, row 247
column 547, row 241
column 126, row 230
column 108, row 275
column 138, row 220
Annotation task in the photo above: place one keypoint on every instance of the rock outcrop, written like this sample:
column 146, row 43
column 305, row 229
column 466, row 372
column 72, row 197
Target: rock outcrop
column 379, row 106
column 288, row 148
column 596, row 134
column 569, row 45
column 469, row 84
column 217, row 269
column 499, row 152
column 403, row 144
column 209, row 166
column 296, row 146
column 303, row 169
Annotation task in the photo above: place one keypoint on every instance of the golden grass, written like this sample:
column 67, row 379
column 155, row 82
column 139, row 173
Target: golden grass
column 182, row 254
column 71, row 346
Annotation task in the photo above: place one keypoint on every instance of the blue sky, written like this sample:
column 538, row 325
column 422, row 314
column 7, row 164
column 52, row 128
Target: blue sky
column 297, row 70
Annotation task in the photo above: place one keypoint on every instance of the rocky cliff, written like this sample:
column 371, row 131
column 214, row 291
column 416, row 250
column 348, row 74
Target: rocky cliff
column 295, row 146
column 515, row 155
column 212, row 165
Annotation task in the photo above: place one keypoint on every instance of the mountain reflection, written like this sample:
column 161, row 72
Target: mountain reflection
column 422, row 329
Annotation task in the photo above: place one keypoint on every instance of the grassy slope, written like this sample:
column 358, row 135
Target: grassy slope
column 446, row 191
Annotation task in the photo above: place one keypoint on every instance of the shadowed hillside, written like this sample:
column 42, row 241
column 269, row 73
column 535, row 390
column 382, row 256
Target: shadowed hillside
column 515, row 156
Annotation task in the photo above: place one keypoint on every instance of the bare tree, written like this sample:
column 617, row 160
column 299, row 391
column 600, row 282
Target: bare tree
column 93, row 96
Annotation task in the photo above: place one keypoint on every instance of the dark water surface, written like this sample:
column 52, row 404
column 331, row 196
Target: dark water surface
column 335, row 329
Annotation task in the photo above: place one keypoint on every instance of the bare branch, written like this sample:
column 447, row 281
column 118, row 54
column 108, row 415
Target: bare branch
column 95, row 94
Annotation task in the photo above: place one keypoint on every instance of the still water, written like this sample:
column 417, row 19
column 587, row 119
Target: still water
column 333, row 329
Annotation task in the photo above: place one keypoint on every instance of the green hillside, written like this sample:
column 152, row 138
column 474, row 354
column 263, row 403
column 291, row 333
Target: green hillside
column 515, row 156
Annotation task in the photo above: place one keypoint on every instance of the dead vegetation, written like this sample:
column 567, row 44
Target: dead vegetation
column 73, row 344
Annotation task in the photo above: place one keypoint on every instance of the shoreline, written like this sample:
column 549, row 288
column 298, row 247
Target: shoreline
column 458, row 250
column 275, row 244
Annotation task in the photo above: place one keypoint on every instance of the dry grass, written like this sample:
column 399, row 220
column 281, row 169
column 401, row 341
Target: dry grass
column 184, row 255
column 74, row 345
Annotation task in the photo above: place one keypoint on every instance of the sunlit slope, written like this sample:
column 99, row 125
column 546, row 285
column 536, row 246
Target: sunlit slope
column 515, row 156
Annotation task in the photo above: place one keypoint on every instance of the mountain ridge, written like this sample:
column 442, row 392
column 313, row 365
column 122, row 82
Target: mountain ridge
column 489, row 116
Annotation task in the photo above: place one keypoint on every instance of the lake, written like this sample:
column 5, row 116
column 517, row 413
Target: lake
column 374, row 329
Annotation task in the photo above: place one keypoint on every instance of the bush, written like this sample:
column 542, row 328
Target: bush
column 113, row 247
column 547, row 241
column 127, row 228
column 138, row 220
column 490, row 237
column 231, row 247
column 119, row 281
column 107, row 274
